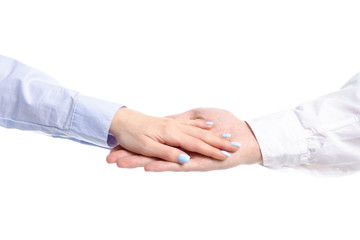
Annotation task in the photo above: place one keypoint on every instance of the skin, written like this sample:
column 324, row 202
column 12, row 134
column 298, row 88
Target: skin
column 224, row 122
column 163, row 137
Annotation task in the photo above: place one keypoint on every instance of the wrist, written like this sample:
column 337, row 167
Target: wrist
column 254, row 147
column 282, row 139
column 91, row 120
column 117, row 121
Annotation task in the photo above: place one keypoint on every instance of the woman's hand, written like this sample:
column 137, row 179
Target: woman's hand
column 162, row 137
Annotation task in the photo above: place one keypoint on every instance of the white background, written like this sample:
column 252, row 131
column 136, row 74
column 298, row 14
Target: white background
column 164, row 57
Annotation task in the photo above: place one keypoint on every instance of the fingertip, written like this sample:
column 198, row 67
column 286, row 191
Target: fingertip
column 122, row 164
column 231, row 146
column 146, row 169
column 167, row 153
column 225, row 153
column 221, row 155
column 208, row 124
column 110, row 159
column 183, row 158
column 226, row 135
column 236, row 144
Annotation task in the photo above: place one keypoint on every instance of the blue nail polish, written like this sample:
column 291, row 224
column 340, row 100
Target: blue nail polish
column 226, row 135
column 209, row 123
column 236, row 144
column 225, row 153
column 183, row 158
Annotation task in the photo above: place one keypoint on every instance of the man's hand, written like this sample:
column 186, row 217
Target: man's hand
column 224, row 122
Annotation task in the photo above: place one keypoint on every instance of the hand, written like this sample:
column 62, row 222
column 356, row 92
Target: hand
column 160, row 137
column 224, row 122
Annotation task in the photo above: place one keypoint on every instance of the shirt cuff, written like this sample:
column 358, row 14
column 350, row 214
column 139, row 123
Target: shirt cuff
column 282, row 139
column 91, row 121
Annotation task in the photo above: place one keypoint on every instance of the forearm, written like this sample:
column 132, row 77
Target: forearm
column 31, row 100
column 323, row 132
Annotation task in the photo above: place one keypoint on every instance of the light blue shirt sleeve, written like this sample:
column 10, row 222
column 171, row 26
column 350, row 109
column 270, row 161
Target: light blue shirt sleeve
column 31, row 100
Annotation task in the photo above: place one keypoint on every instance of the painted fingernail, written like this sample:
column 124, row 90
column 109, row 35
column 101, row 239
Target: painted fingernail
column 236, row 144
column 209, row 123
column 225, row 153
column 183, row 158
column 226, row 135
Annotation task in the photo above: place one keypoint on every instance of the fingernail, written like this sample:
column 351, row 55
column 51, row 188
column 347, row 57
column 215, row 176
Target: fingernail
column 226, row 135
column 236, row 144
column 225, row 153
column 209, row 123
column 183, row 158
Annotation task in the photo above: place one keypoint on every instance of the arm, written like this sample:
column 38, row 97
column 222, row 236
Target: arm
column 322, row 133
column 31, row 100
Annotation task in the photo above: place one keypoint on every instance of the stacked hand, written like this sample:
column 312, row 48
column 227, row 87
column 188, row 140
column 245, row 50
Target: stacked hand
column 202, row 160
column 162, row 137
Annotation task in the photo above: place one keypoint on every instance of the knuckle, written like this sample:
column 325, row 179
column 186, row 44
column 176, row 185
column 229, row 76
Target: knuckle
column 168, row 128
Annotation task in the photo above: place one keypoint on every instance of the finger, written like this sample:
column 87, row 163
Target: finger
column 161, row 166
column 220, row 142
column 212, row 139
column 198, row 146
column 118, row 147
column 165, row 152
column 116, row 153
column 199, row 123
column 134, row 161
column 199, row 163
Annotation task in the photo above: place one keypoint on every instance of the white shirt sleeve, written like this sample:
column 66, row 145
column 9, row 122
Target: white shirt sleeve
column 324, row 132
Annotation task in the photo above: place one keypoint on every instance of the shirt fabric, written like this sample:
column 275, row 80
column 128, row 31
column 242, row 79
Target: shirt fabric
column 324, row 133
column 31, row 100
